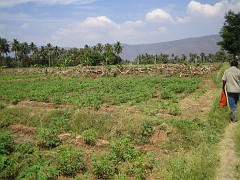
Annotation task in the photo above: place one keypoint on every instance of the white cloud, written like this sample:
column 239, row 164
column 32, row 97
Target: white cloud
column 158, row 15
column 99, row 29
column 101, row 21
column 197, row 9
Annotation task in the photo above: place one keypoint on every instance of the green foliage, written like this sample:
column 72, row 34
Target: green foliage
column 48, row 138
column 2, row 106
column 146, row 129
column 38, row 167
column 123, row 149
column 6, row 142
column 142, row 165
column 93, row 93
column 103, row 167
column 9, row 166
column 89, row 136
column 69, row 161
column 196, row 164
column 230, row 33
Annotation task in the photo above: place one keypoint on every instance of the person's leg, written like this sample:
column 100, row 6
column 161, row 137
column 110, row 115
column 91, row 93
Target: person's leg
column 236, row 98
column 232, row 105
column 231, row 101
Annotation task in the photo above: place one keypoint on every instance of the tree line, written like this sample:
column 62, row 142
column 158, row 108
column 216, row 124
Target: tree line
column 27, row 55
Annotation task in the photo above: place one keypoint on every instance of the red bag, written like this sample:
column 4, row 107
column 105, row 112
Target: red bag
column 223, row 100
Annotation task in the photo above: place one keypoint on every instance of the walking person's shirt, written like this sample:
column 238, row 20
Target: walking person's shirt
column 232, row 78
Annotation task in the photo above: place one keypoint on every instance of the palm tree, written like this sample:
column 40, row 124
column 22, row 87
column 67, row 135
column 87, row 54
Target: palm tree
column 118, row 48
column 99, row 48
column 4, row 48
column 108, row 48
column 23, row 52
column 34, row 52
column 50, row 53
column 15, row 48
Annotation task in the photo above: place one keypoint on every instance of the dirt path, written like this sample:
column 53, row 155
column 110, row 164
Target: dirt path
column 227, row 153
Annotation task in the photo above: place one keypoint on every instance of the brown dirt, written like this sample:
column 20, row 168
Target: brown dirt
column 24, row 133
column 37, row 104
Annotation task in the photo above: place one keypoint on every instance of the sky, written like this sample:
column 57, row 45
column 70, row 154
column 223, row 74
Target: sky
column 75, row 23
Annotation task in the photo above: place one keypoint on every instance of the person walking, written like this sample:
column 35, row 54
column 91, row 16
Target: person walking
column 231, row 81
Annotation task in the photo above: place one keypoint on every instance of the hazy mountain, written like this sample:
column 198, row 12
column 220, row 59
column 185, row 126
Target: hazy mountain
column 197, row 45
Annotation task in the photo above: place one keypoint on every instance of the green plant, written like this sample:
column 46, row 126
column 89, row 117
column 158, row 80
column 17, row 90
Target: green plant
column 146, row 129
column 6, row 142
column 38, row 166
column 69, row 161
column 123, row 149
column 9, row 166
column 47, row 138
column 142, row 165
column 2, row 106
column 103, row 167
column 89, row 136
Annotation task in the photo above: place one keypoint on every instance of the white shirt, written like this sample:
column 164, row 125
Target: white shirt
column 232, row 78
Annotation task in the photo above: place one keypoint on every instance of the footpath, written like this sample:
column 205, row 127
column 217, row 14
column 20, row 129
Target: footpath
column 227, row 153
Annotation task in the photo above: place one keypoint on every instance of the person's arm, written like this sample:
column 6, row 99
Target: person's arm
column 223, row 85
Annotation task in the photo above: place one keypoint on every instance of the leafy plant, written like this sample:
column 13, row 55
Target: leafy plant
column 69, row 161
column 123, row 149
column 146, row 128
column 103, row 167
column 2, row 106
column 89, row 136
column 47, row 138
column 6, row 143
column 38, row 167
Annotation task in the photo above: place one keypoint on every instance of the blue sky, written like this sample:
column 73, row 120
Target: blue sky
column 74, row 23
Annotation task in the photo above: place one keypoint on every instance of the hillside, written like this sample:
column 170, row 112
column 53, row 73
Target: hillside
column 205, row 44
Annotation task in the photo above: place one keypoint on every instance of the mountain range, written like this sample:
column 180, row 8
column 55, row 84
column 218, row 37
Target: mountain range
column 196, row 45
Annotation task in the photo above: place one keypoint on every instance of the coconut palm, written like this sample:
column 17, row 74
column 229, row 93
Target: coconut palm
column 15, row 48
column 118, row 48
column 4, row 48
